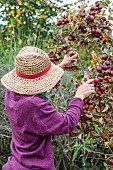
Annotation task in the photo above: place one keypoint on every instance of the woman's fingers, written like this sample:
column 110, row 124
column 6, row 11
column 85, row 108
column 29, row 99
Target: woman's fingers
column 89, row 89
column 91, row 85
column 85, row 90
column 89, row 81
column 92, row 91
column 73, row 54
column 74, row 57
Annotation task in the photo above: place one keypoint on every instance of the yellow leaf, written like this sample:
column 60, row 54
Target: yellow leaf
column 69, row 17
column 92, row 62
column 11, row 13
column 110, row 18
column 103, row 13
column 19, row 2
column 30, row 7
column 43, row 16
column 7, row 38
column 37, row 10
column 83, row 7
column 74, row 18
column 20, row 41
column 109, row 28
column 19, row 21
column 89, row 68
column 58, row 97
column 76, row 10
column 94, row 55
column 10, row 26
column 105, row 37
column 18, row 11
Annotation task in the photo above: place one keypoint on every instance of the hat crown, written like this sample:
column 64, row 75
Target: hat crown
column 31, row 60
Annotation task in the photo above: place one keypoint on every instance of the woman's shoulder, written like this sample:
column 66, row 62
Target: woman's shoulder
column 39, row 100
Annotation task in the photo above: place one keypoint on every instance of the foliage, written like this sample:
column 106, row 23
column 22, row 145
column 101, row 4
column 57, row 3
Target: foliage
column 88, row 30
column 23, row 17
column 90, row 146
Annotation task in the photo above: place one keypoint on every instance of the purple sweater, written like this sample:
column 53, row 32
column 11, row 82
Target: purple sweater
column 33, row 121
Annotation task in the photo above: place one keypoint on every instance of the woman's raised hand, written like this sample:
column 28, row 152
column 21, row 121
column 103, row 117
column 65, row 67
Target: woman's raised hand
column 86, row 89
column 69, row 59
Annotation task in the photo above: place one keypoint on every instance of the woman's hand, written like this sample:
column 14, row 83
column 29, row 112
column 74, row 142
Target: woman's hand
column 85, row 90
column 69, row 59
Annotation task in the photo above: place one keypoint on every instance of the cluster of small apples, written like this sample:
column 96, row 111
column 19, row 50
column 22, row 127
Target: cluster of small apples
column 89, row 30
column 95, row 9
column 107, row 67
column 103, row 81
column 63, row 21
column 53, row 54
column 53, row 58
column 89, row 22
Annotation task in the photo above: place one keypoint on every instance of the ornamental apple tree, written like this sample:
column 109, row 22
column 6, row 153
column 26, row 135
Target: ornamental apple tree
column 88, row 30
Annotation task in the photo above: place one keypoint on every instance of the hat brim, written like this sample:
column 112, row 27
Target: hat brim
column 32, row 86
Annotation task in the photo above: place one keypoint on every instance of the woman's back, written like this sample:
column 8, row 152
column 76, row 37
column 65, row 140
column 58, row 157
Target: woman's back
column 29, row 150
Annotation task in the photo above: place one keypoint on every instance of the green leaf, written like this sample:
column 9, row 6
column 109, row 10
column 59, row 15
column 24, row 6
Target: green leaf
column 87, row 149
column 76, row 152
column 111, row 49
column 111, row 156
column 105, row 164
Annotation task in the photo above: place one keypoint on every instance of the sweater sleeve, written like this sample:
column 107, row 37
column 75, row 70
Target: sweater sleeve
column 48, row 121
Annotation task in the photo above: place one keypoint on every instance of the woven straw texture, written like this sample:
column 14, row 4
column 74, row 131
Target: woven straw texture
column 31, row 60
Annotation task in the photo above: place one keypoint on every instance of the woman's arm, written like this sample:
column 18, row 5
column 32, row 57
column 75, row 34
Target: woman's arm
column 48, row 121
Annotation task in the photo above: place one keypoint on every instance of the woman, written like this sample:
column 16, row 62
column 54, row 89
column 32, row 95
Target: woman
column 33, row 119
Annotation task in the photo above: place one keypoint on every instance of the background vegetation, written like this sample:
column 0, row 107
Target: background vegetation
column 28, row 23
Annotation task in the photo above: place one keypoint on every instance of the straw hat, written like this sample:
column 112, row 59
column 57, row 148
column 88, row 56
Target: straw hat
column 33, row 73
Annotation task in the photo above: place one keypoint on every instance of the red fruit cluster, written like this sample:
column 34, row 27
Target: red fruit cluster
column 71, row 37
column 89, row 19
column 95, row 9
column 96, row 33
column 82, row 15
column 63, row 22
column 52, row 53
column 89, row 25
column 54, row 59
column 82, row 28
column 106, row 68
column 89, row 30
column 98, row 100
